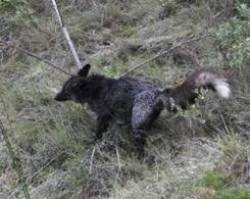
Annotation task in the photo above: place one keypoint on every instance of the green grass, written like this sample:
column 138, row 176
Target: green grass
column 55, row 141
column 213, row 179
column 234, row 193
column 223, row 189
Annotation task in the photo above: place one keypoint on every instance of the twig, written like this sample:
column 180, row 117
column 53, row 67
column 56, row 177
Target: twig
column 91, row 160
column 28, row 180
column 35, row 56
column 16, row 162
column 164, row 53
column 67, row 36
column 227, row 130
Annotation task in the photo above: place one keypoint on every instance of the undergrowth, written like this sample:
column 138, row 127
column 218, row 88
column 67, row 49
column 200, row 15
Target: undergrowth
column 55, row 142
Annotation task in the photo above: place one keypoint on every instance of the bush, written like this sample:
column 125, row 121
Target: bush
column 214, row 179
column 233, row 38
column 11, row 5
column 234, row 193
column 216, row 185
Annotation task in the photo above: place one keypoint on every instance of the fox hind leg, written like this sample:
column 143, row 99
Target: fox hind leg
column 145, row 111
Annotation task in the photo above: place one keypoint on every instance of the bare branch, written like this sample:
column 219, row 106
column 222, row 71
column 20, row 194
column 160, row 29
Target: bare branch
column 45, row 166
column 91, row 160
column 67, row 36
column 11, row 45
column 165, row 52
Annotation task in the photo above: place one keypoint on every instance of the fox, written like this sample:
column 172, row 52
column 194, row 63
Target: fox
column 135, row 101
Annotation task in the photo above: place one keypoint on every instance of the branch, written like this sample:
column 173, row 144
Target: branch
column 44, row 167
column 35, row 56
column 91, row 160
column 67, row 36
column 165, row 52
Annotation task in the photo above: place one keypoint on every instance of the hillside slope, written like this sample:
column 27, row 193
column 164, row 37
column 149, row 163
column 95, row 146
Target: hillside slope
column 201, row 153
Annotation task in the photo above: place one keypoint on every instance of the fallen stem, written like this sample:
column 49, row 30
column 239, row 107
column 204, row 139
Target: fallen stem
column 164, row 53
column 35, row 56
column 67, row 36
column 91, row 160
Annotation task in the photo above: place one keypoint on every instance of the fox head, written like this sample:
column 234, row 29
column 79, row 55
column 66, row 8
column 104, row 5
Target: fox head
column 75, row 87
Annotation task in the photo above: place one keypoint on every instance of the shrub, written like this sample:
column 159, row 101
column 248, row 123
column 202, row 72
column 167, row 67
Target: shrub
column 234, row 193
column 218, row 186
column 233, row 38
column 214, row 179
column 10, row 5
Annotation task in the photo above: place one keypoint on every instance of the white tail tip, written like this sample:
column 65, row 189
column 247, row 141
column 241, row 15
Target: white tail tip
column 222, row 88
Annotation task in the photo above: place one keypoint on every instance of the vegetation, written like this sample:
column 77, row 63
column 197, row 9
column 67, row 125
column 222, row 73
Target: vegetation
column 201, row 153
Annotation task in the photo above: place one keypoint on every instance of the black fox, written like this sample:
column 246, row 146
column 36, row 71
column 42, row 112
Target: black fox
column 134, row 101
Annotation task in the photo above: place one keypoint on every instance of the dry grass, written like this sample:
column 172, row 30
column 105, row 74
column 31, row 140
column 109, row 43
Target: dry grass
column 55, row 141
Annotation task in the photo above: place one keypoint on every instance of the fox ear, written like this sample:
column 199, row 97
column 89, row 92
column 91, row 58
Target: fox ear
column 84, row 71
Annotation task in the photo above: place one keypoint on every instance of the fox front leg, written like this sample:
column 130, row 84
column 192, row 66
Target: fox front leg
column 140, row 141
column 103, row 122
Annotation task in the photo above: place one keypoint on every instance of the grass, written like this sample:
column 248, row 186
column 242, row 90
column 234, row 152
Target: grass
column 230, row 176
column 216, row 185
column 192, row 150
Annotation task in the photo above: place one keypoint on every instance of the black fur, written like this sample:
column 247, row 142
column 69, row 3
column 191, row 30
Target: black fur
column 135, row 102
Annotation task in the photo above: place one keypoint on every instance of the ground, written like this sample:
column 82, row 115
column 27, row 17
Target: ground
column 200, row 153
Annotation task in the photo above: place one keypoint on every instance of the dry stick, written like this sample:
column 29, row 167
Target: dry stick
column 16, row 162
column 35, row 56
column 67, row 36
column 164, row 52
column 44, row 167
column 91, row 160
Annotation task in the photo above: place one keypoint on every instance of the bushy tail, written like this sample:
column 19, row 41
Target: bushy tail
column 186, row 93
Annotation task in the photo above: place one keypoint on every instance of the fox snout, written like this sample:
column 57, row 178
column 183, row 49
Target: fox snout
column 60, row 97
